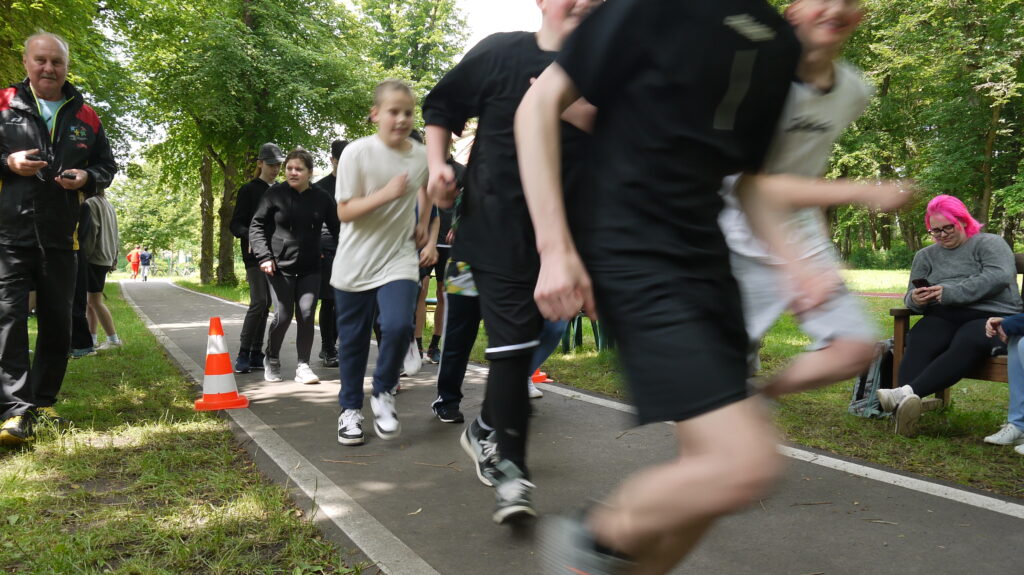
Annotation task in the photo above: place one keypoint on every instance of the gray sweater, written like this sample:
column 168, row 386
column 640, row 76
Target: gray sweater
column 980, row 274
column 102, row 246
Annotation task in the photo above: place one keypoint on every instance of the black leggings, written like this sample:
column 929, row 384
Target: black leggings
column 293, row 293
column 943, row 346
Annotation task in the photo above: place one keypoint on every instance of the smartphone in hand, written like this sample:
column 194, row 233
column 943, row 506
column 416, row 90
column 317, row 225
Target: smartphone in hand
column 921, row 283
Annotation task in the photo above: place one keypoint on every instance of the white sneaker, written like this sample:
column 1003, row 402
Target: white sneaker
column 271, row 370
column 385, row 417
column 889, row 399
column 1010, row 434
column 412, row 362
column 535, row 393
column 908, row 416
column 303, row 374
column 350, row 428
column 109, row 345
column 1019, row 449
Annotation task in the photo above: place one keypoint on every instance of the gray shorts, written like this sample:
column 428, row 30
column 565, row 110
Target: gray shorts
column 766, row 296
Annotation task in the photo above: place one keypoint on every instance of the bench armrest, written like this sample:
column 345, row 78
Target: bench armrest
column 902, row 312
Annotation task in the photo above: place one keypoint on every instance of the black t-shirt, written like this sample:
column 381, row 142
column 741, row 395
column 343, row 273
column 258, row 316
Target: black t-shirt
column 687, row 93
column 495, row 232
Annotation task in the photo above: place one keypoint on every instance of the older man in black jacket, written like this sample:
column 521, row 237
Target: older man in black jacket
column 52, row 150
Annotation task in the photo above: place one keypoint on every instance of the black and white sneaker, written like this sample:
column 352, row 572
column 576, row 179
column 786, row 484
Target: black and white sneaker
column 567, row 546
column 511, row 493
column 350, row 427
column 482, row 447
column 448, row 414
column 385, row 416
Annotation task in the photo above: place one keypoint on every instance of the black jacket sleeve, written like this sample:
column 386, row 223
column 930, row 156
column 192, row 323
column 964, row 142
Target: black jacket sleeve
column 102, row 166
column 261, row 230
column 241, row 217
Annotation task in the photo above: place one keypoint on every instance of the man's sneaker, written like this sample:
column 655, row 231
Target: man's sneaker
column 303, row 374
column 109, row 345
column 432, row 355
column 350, row 427
column 17, row 431
column 567, row 546
column 271, row 369
column 1019, row 449
column 82, row 352
column 412, row 362
column 50, row 415
column 534, row 392
column 1010, row 434
column 482, row 447
column 889, row 399
column 242, row 364
column 385, row 417
column 448, row 414
column 330, row 358
column 511, row 493
column 256, row 359
column 908, row 416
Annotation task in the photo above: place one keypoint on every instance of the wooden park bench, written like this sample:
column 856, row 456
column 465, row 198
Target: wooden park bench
column 988, row 369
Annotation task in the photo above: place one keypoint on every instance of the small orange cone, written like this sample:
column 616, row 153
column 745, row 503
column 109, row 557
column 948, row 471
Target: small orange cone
column 219, row 391
column 540, row 377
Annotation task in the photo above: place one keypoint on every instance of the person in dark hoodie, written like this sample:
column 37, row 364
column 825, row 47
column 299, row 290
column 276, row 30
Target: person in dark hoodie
column 250, row 352
column 52, row 150
column 285, row 239
column 328, row 247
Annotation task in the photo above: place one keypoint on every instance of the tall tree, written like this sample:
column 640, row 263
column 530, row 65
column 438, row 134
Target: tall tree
column 225, row 76
column 420, row 37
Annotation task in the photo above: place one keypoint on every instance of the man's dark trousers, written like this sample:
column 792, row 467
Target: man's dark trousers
column 24, row 385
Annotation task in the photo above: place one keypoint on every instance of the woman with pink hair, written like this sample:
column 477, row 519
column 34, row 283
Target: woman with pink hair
column 958, row 282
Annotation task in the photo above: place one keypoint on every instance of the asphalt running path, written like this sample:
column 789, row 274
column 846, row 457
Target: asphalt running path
column 415, row 506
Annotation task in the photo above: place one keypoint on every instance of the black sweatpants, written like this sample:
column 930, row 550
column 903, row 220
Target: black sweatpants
column 81, row 337
column 53, row 272
column 942, row 346
column 294, row 295
column 328, row 322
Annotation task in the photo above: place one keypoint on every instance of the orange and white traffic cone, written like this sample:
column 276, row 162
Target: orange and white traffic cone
column 540, row 377
column 219, row 390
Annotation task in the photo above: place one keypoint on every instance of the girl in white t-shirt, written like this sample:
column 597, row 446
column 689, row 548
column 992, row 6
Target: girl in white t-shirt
column 381, row 179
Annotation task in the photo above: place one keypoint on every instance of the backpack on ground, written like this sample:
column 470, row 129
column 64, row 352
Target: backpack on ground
column 864, row 402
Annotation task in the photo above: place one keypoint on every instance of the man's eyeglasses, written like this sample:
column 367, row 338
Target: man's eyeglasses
column 943, row 231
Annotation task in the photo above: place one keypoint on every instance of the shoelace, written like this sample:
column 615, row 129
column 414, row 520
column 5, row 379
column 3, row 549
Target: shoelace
column 351, row 420
column 488, row 449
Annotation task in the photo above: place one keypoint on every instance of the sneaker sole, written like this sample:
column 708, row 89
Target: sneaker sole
column 1011, row 443
column 309, row 382
column 350, row 440
column 10, row 440
column 271, row 379
column 384, row 434
column 243, row 370
column 468, row 448
column 908, row 415
column 513, row 512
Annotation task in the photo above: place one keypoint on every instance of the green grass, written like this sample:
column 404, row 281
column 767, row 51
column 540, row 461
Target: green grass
column 949, row 447
column 145, row 485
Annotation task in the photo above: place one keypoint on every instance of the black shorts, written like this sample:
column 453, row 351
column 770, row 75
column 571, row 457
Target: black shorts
column 438, row 267
column 96, row 278
column 510, row 313
column 681, row 340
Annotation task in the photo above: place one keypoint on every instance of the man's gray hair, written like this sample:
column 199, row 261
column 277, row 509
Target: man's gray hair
column 60, row 41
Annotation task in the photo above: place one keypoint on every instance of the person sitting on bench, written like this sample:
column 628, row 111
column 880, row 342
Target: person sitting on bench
column 958, row 283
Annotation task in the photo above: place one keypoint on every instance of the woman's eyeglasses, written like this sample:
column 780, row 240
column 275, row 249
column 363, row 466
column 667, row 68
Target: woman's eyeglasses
column 943, row 231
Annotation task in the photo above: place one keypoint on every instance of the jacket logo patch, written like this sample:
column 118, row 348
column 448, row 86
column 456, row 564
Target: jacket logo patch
column 78, row 134
column 15, row 120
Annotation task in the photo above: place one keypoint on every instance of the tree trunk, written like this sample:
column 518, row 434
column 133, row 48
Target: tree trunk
column 986, row 166
column 206, row 214
column 226, row 247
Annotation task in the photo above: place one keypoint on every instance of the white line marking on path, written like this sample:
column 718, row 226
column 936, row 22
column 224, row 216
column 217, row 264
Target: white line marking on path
column 387, row 551
column 912, row 483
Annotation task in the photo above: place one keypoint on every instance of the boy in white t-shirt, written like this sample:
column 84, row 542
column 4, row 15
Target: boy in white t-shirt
column 826, row 96
column 381, row 178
